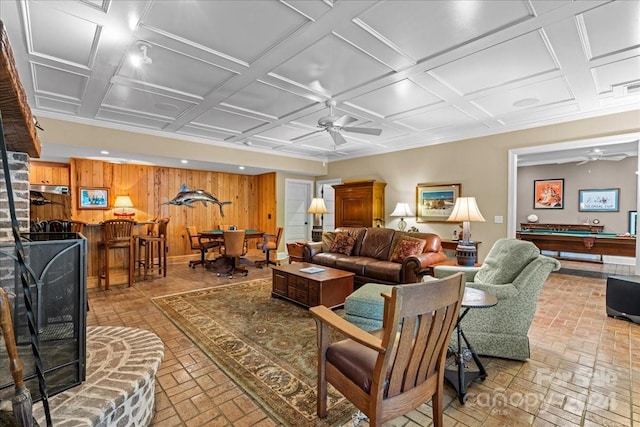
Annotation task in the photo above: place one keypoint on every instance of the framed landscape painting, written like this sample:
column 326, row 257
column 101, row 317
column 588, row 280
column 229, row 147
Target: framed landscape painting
column 605, row 200
column 548, row 193
column 434, row 202
column 93, row 198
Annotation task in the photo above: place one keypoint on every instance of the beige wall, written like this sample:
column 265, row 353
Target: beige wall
column 81, row 135
column 479, row 164
column 593, row 175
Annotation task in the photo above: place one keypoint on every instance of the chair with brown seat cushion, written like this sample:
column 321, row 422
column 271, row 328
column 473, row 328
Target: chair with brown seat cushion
column 116, row 234
column 270, row 242
column 153, row 245
column 392, row 371
column 200, row 244
column 234, row 246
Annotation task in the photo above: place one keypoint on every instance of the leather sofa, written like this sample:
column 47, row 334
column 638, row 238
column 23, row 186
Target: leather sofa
column 374, row 257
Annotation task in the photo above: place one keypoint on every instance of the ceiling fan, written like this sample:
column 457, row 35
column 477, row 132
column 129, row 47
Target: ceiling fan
column 598, row 154
column 334, row 125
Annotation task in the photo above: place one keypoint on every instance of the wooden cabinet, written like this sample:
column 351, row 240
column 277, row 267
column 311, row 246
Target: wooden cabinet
column 359, row 204
column 49, row 174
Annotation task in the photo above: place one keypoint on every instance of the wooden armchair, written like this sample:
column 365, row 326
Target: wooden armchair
column 391, row 371
column 199, row 244
column 270, row 242
column 235, row 246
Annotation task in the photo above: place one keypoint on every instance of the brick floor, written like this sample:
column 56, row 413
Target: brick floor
column 581, row 371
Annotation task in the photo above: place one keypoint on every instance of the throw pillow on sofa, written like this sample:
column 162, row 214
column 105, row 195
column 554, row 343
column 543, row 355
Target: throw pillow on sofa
column 343, row 244
column 405, row 247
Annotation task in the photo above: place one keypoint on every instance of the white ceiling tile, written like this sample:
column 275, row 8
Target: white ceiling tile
column 225, row 120
column 57, row 105
column 130, row 119
column 332, row 64
column 616, row 73
column 444, row 117
column 511, row 61
column 240, row 29
column 61, row 36
column 142, row 102
column 542, row 93
column 612, row 27
column 395, row 98
column 194, row 77
column 59, row 82
column 204, row 133
column 267, row 100
column 424, row 28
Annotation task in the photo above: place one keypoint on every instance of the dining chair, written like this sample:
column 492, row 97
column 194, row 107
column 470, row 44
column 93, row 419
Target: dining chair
column 391, row 371
column 116, row 234
column 234, row 246
column 154, row 245
column 198, row 243
column 270, row 242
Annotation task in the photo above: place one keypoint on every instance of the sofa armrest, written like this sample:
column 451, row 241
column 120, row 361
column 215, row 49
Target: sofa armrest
column 310, row 249
column 420, row 262
column 442, row 271
column 414, row 267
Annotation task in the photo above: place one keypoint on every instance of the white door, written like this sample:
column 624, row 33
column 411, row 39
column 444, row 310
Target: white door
column 325, row 190
column 297, row 199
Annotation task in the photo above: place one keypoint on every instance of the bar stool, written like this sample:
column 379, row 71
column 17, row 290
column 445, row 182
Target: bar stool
column 116, row 234
column 155, row 242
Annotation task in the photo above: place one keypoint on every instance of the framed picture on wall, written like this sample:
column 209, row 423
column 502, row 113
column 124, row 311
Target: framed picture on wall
column 548, row 193
column 605, row 200
column 93, row 198
column 434, row 202
column 633, row 222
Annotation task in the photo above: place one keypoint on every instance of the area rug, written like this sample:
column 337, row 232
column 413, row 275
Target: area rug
column 266, row 345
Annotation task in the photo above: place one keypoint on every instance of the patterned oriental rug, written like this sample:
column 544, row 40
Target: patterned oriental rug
column 266, row 345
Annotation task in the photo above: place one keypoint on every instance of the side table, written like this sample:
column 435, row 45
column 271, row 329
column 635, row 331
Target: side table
column 460, row 379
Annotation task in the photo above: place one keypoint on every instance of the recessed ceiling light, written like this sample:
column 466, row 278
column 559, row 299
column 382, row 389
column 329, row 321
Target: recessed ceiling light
column 184, row 161
column 104, row 152
column 526, row 102
column 241, row 168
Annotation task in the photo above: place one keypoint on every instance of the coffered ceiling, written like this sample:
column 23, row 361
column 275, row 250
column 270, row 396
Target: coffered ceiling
column 257, row 74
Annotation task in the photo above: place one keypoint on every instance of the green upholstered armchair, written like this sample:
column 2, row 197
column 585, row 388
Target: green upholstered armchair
column 514, row 271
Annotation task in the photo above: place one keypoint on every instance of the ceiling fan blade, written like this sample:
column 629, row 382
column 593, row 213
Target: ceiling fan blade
column 305, row 135
column 583, row 162
column 344, row 120
column 614, row 157
column 337, row 137
column 368, row 131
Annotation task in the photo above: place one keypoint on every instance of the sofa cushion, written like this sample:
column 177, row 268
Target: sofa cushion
column 518, row 253
column 376, row 243
column 386, row 271
column 357, row 233
column 327, row 240
column 343, row 244
column 405, row 247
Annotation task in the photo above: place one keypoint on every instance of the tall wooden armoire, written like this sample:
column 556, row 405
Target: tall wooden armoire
column 359, row 204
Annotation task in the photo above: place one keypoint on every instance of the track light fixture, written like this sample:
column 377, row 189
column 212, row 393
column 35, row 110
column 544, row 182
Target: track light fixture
column 142, row 56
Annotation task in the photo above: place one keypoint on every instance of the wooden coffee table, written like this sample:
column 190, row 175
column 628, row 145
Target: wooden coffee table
column 329, row 287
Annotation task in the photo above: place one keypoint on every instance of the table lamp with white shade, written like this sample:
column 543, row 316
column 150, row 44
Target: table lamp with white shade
column 466, row 210
column 402, row 210
column 317, row 208
column 123, row 207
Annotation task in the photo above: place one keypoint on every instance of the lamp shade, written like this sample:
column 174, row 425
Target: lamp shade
column 402, row 210
column 317, row 206
column 122, row 205
column 123, row 202
column 466, row 209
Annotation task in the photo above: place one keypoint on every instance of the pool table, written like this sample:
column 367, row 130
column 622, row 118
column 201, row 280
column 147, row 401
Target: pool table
column 583, row 242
